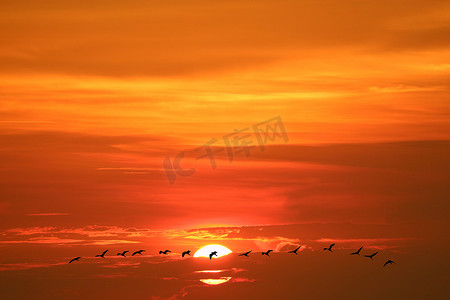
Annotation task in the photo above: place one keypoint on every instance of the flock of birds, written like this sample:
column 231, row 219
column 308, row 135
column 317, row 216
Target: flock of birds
column 214, row 253
column 388, row 262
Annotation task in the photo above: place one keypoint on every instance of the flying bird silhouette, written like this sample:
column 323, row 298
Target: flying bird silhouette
column 371, row 255
column 138, row 252
column 295, row 251
column 267, row 252
column 329, row 248
column 102, row 255
column 246, row 253
column 214, row 253
column 389, row 262
column 357, row 252
column 165, row 252
column 123, row 253
column 74, row 259
column 186, row 253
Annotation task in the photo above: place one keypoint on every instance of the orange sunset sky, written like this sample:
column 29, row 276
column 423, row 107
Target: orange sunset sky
column 96, row 95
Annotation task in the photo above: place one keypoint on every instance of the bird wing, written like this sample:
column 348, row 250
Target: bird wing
column 269, row 251
column 360, row 249
column 332, row 245
column 104, row 252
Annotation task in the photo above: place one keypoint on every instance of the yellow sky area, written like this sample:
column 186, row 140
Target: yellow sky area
column 335, row 72
column 314, row 97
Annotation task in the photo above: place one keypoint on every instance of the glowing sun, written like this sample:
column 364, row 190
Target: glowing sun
column 216, row 281
column 205, row 251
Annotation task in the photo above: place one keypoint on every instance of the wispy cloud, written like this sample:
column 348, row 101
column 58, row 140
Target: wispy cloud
column 50, row 214
column 65, row 241
column 24, row 266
